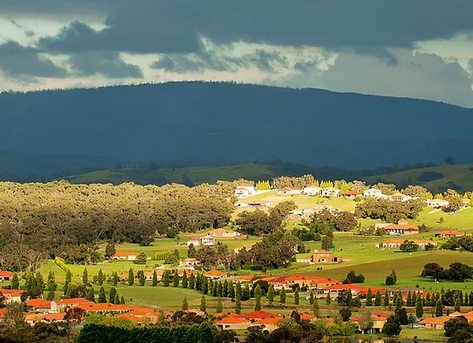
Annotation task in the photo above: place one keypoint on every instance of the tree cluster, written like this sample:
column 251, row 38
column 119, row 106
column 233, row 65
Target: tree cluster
column 457, row 271
column 387, row 210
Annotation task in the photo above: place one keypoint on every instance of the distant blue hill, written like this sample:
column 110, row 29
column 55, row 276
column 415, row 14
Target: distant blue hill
column 197, row 121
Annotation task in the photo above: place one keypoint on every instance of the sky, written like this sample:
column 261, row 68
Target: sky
column 405, row 48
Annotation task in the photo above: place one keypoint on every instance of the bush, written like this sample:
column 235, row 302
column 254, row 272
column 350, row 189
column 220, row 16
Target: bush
column 61, row 264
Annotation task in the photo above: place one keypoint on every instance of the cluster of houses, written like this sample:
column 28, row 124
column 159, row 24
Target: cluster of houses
column 246, row 190
column 210, row 236
column 438, row 323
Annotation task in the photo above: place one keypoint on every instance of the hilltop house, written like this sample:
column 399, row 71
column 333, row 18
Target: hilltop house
column 351, row 194
column 399, row 197
column 7, row 275
column 401, row 229
column 223, row 233
column 437, row 203
column 449, row 234
column 11, row 295
column 190, row 263
column 204, row 240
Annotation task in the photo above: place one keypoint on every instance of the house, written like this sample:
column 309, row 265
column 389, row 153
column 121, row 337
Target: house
column 437, row 203
column 324, row 256
column 399, row 197
column 330, row 192
column 223, row 233
column 215, row 274
column 308, row 317
column 245, row 190
column 241, row 247
column 206, row 240
column 351, row 194
column 233, row 323
column 435, row 323
column 312, row 190
column 401, row 229
column 289, row 191
column 256, row 203
column 336, row 290
column 449, row 234
column 269, row 324
column 194, row 242
column 372, row 193
column 256, row 315
column 190, row 263
column 396, row 243
column 312, row 282
column 125, row 255
column 11, row 295
column 6, row 276
column 378, row 319
column 39, row 305
column 64, row 304
column 141, row 315
column 105, row 308
column 32, row 318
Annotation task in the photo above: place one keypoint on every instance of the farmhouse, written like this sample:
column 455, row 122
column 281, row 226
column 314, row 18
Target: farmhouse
column 437, row 203
column 312, row 190
column 269, row 324
column 11, row 295
column 233, row 323
column 312, row 282
column 32, row 318
column 351, row 194
column 204, row 240
column 64, row 304
column 324, row 256
column 372, row 193
column 449, row 234
column 396, row 243
column 336, row 290
column 402, row 229
column 330, row 192
column 245, row 190
column 125, row 255
column 223, row 233
column 105, row 308
column 39, row 305
column 140, row 315
column 435, row 323
column 289, row 191
column 241, row 247
column 215, row 274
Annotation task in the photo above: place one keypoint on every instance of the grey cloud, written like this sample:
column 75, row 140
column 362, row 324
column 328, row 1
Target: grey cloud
column 108, row 64
column 220, row 61
column 419, row 75
column 18, row 61
column 365, row 26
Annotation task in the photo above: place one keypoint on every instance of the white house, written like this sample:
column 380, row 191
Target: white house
column 223, row 233
column 245, row 190
column 11, row 295
column 330, row 192
column 206, row 240
column 194, row 242
column 290, row 191
column 125, row 255
column 437, row 203
column 190, row 263
column 373, row 193
column 312, row 190
column 399, row 197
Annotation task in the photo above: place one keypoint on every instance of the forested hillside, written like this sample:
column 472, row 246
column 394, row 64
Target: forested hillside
column 195, row 122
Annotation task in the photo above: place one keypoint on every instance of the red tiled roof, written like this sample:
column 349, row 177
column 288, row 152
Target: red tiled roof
column 402, row 226
column 214, row 272
column 38, row 303
column 416, row 241
column 73, row 301
column 357, row 288
column 452, row 232
column 306, row 316
column 93, row 307
column 233, row 320
column 438, row 320
column 125, row 253
column 352, row 193
column 48, row 317
column 6, row 273
column 11, row 292
column 257, row 315
column 268, row 321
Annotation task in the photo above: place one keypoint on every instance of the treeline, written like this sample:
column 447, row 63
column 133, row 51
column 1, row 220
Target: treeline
column 387, row 210
column 40, row 221
column 202, row 333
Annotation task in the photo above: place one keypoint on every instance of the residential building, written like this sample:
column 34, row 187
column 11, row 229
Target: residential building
column 312, row 190
column 437, row 203
column 223, row 233
column 241, row 247
column 105, row 308
column 450, row 234
column 233, row 323
column 256, row 203
column 330, row 192
column 336, row 290
column 269, row 324
column 32, row 318
column 39, row 305
column 324, row 256
column 396, row 243
column 289, row 191
column 11, row 295
column 399, row 197
column 206, row 240
column 125, row 255
column 215, row 274
column 402, row 229
column 245, row 190
column 141, row 315
column 372, row 193
column 190, row 263
column 6, row 276
column 64, row 304
column 435, row 323
column 378, row 319
column 352, row 194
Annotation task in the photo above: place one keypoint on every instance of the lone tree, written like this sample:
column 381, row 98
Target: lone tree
column 131, row 277
column 185, row 304
column 110, row 250
column 220, row 305
column 315, row 307
column 270, row 294
column 258, row 294
column 203, row 304
column 419, row 307
column 296, row 297
column 327, row 243
column 102, row 298
column 391, row 279
column 282, row 295
column 155, row 279
column 392, row 326
column 438, row 308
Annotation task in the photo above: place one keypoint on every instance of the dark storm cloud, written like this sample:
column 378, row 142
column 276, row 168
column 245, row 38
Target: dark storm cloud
column 52, row 8
column 18, row 61
column 108, row 64
column 367, row 26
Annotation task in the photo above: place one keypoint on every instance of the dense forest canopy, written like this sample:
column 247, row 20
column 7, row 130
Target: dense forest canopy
column 60, row 219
